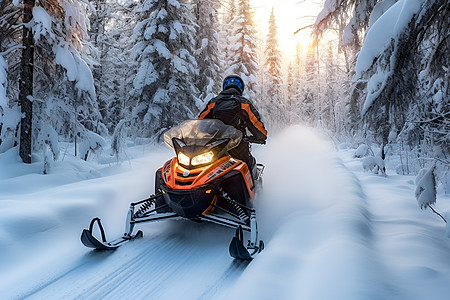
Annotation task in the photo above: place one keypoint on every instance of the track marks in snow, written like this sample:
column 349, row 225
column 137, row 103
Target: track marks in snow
column 177, row 257
column 225, row 281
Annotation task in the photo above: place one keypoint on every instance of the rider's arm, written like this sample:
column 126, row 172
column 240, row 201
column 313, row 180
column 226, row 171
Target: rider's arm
column 254, row 123
column 207, row 112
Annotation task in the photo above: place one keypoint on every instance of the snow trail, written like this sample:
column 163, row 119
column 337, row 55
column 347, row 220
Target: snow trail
column 318, row 224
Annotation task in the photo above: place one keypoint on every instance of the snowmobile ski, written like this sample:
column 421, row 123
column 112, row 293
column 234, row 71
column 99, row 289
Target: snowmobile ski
column 255, row 246
column 90, row 241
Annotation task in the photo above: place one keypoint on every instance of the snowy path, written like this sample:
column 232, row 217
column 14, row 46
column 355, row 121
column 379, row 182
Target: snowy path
column 331, row 232
column 195, row 262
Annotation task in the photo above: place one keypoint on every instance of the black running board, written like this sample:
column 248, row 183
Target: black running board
column 92, row 242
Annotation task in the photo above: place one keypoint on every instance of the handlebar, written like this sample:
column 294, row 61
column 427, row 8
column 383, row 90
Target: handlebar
column 251, row 139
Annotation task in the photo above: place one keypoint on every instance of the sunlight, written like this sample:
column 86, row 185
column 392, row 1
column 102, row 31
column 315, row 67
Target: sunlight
column 290, row 16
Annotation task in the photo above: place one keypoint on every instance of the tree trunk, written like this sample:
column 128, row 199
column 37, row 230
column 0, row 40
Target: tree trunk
column 26, row 84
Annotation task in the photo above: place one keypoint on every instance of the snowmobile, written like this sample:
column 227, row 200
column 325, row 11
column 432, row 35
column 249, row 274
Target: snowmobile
column 202, row 183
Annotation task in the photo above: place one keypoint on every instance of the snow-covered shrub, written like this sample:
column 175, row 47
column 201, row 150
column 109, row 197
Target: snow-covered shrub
column 102, row 130
column 9, row 122
column 48, row 140
column 344, row 146
column 426, row 188
column 92, row 142
column 48, row 136
column 362, row 151
column 119, row 138
column 373, row 164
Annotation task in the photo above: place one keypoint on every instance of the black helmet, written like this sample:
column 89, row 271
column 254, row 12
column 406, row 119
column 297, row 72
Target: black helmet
column 234, row 81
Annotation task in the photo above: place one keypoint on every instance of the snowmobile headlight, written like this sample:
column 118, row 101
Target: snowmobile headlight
column 183, row 159
column 202, row 158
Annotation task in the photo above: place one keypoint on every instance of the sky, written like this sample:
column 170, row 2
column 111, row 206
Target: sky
column 290, row 16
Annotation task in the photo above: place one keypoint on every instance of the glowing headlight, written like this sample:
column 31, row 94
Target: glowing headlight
column 183, row 158
column 202, row 158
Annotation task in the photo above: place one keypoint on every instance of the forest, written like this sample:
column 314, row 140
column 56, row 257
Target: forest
column 93, row 72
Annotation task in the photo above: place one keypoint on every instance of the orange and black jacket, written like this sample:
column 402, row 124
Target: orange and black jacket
column 233, row 109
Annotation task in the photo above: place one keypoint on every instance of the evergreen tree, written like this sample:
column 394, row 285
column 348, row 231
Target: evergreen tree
column 243, row 57
column 309, row 94
column 63, row 81
column 164, row 81
column 356, row 17
column 10, row 35
column 294, row 80
column 116, row 69
column 98, row 19
column 274, row 103
column 333, row 92
column 208, row 80
column 273, row 61
column 407, row 88
column 226, row 33
column 55, row 86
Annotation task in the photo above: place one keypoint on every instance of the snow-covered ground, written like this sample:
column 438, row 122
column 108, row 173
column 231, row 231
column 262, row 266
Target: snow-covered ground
column 331, row 231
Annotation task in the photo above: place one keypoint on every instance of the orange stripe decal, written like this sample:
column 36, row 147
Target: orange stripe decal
column 206, row 112
column 254, row 119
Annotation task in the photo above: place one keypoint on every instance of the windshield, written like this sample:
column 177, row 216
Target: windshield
column 202, row 132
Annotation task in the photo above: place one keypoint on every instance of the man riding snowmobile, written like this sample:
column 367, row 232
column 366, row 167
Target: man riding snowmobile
column 210, row 178
column 233, row 109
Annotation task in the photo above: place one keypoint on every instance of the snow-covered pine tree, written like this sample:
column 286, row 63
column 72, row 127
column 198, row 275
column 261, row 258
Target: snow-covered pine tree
column 59, row 85
column 61, row 37
column 350, row 18
column 10, row 33
column 226, row 32
column 243, row 57
column 275, row 103
column 308, row 104
column 209, row 78
column 294, row 95
column 332, row 108
column 98, row 18
column 116, row 70
column 407, row 85
column 291, row 89
column 167, row 67
column 10, row 37
column 356, row 13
